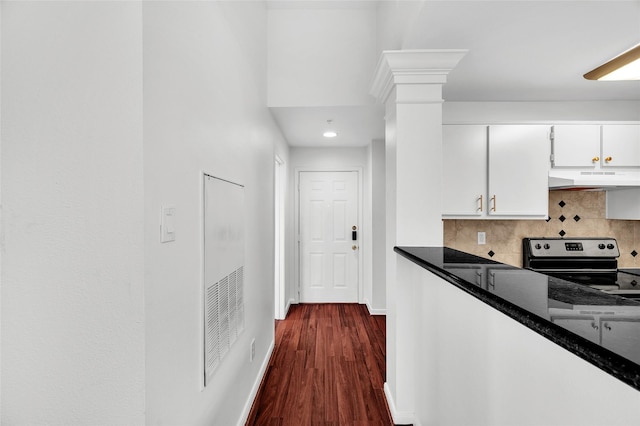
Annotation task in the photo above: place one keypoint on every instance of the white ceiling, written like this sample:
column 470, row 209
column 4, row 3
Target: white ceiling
column 518, row 51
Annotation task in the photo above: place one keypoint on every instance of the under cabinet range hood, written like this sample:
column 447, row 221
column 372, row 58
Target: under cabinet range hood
column 594, row 180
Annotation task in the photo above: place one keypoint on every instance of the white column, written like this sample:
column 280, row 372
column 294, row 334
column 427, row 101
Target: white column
column 410, row 83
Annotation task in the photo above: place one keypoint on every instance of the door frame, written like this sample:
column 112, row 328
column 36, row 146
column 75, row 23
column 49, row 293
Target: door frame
column 361, row 240
column 280, row 293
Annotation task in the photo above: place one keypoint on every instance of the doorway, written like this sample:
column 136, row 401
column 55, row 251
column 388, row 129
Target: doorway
column 329, row 236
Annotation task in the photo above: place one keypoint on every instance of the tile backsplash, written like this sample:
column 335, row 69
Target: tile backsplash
column 571, row 214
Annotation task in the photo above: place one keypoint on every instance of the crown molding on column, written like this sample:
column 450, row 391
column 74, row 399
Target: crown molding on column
column 428, row 66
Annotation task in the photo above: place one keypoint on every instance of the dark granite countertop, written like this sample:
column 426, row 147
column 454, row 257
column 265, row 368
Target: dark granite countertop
column 602, row 329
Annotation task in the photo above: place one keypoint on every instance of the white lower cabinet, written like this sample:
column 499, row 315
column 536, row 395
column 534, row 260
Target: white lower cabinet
column 585, row 327
column 623, row 335
column 525, row 288
column 496, row 171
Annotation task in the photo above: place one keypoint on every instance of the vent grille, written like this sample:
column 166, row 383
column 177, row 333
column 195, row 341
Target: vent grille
column 225, row 318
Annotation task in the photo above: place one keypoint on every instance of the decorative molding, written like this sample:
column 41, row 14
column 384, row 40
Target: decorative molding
column 429, row 66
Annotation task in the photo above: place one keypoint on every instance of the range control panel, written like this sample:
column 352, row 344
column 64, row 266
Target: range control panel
column 573, row 247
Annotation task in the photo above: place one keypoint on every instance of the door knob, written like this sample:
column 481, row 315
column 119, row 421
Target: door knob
column 354, row 247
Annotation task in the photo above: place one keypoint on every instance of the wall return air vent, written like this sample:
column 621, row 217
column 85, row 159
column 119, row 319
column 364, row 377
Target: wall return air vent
column 223, row 270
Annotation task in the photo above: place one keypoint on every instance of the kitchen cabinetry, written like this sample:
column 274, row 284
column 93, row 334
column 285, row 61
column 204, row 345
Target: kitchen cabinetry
column 527, row 288
column 576, row 145
column 464, row 152
column 496, row 171
column 591, row 146
column 622, row 335
column 471, row 273
column 620, row 145
column 585, row 327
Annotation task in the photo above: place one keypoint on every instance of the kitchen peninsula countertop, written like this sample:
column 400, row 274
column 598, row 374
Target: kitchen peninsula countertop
column 600, row 328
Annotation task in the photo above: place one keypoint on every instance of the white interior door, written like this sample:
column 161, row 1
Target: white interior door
column 328, row 253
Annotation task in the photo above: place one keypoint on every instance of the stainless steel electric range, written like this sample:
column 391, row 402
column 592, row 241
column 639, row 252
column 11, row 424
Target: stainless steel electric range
column 588, row 261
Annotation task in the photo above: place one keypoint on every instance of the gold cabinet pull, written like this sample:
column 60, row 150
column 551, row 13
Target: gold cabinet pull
column 480, row 208
column 595, row 159
column 608, row 159
column 493, row 209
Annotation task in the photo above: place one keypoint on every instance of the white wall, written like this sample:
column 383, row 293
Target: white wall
column 111, row 110
column 527, row 112
column 205, row 110
column 321, row 56
column 72, row 186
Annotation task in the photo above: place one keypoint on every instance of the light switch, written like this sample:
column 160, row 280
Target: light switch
column 167, row 224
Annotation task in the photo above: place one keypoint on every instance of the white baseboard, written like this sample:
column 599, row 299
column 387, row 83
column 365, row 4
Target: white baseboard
column 286, row 308
column 374, row 311
column 256, row 386
column 399, row 417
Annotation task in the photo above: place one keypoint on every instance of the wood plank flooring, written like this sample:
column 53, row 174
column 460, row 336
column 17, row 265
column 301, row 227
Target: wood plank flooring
column 327, row 368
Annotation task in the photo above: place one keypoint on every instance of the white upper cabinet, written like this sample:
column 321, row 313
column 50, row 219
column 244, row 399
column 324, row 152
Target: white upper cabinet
column 576, row 145
column 464, row 170
column 495, row 171
column 519, row 170
column 621, row 145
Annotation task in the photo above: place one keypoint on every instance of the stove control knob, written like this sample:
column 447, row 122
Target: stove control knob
column 547, row 246
column 610, row 246
column 601, row 246
column 538, row 246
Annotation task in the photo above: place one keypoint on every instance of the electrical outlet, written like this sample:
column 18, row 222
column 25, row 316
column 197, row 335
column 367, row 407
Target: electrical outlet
column 482, row 238
column 252, row 353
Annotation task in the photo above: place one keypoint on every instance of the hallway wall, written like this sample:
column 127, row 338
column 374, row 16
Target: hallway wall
column 111, row 110
column 205, row 111
column 73, row 324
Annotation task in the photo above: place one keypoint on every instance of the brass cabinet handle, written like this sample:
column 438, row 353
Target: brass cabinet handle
column 608, row 159
column 594, row 159
column 480, row 208
column 493, row 209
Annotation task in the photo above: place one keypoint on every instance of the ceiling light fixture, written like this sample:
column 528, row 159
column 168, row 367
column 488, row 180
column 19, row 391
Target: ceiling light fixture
column 329, row 133
column 625, row 66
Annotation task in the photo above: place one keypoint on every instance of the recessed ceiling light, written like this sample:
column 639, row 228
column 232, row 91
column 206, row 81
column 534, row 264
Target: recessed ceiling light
column 625, row 66
column 329, row 132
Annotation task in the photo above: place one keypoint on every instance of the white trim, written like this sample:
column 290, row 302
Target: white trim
column 373, row 311
column 403, row 418
column 256, row 386
column 428, row 66
column 286, row 309
column 364, row 245
column 280, row 182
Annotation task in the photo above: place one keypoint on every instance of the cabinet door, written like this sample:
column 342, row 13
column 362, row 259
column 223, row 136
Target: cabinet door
column 586, row 327
column 622, row 336
column 464, row 170
column 621, row 145
column 522, row 287
column 470, row 273
column 576, row 145
column 519, row 170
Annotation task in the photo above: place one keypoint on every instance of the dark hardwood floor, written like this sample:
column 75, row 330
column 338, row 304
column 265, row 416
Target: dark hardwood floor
column 327, row 368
